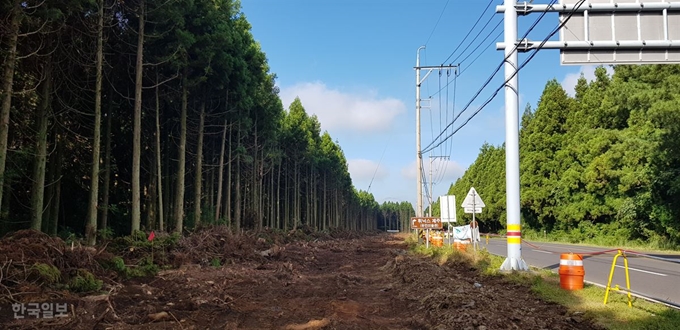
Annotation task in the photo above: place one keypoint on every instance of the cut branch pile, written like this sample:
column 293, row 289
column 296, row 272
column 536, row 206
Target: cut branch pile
column 31, row 261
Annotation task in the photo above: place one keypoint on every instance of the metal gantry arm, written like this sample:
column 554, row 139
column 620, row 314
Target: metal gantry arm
column 526, row 45
column 526, row 8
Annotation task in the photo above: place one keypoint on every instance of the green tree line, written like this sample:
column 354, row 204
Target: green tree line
column 157, row 114
column 603, row 164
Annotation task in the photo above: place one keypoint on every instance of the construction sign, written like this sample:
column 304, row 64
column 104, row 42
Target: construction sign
column 426, row 223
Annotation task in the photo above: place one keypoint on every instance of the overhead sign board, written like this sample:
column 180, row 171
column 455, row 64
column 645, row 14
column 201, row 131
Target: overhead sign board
column 472, row 199
column 619, row 32
column 426, row 223
column 447, row 208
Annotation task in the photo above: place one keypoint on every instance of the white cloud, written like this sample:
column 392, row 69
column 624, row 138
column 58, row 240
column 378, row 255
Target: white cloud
column 446, row 171
column 570, row 80
column 337, row 110
column 363, row 170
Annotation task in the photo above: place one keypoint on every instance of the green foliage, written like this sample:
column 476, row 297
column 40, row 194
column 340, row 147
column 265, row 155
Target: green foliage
column 145, row 268
column 105, row 234
column 46, row 273
column 280, row 166
column 215, row 262
column 395, row 216
column 84, row 281
column 116, row 264
column 601, row 167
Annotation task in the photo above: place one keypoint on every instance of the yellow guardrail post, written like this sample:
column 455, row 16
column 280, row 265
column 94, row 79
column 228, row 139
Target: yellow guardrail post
column 611, row 275
column 487, row 239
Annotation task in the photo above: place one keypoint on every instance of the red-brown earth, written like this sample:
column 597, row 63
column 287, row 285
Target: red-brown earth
column 356, row 282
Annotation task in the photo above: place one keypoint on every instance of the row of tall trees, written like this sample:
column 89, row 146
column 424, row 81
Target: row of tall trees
column 156, row 114
column 604, row 162
column 396, row 216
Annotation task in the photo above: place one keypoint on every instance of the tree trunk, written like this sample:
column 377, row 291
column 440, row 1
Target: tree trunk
column 5, row 207
column 253, row 182
column 220, row 173
column 181, row 166
column 237, row 207
column 210, row 189
column 260, row 197
column 103, row 224
column 227, row 203
column 199, row 167
column 7, row 83
column 56, row 202
column 324, row 208
column 272, row 211
column 167, row 192
column 287, row 203
column 159, row 172
column 278, row 198
column 91, row 227
column 137, row 128
column 151, row 201
column 38, row 190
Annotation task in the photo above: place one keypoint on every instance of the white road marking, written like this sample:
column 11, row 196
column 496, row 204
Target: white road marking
column 642, row 270
column 547, row 252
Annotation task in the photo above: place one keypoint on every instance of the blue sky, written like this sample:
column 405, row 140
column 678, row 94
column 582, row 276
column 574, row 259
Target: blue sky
column 351, row 63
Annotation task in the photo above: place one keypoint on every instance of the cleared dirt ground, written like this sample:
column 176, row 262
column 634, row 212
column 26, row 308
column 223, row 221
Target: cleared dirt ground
column 369, row 282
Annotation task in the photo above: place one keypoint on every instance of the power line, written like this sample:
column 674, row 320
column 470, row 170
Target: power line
column 472, row 29
column 477, row 36
column 473, row 51
column 435, row 25
column 482, row 42
column 480, row 54
column 514, row 74
column 488, row 80
column 380, row 161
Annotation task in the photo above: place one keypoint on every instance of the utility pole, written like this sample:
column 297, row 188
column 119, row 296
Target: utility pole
column 514, row 260
column 432, row 182
column 419, row 154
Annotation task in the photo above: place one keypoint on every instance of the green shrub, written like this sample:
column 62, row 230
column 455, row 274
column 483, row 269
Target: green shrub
column 85, row 281
column 47, row 273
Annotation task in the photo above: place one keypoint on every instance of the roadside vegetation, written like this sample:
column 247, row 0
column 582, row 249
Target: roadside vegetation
column 599, row 167
column 588, row 303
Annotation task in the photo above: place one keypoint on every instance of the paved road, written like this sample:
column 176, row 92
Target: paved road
column 649, row 277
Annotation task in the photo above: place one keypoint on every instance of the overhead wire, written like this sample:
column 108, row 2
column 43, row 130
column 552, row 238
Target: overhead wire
column 482, row 42
column 448, row 147
column 488, row 80
column 439, row 169
column 472, row 29
column 435, row 24
column 535, row 51
column 477, row 36
column 480, row 53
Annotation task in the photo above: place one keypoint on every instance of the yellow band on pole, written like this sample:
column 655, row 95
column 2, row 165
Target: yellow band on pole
column 513, row 227
column 514, row 240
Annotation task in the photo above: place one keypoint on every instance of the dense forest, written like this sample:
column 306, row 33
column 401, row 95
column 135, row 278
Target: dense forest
column 120, row 116
column 602, row 164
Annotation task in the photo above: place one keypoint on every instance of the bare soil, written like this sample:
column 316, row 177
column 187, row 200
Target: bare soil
column 368, row 282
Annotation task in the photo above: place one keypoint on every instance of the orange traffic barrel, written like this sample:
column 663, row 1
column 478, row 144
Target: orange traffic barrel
column 437, row 240
column 460, row 245
column 571, row 271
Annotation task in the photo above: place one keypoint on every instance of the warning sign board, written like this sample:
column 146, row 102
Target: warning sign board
column 426, row 223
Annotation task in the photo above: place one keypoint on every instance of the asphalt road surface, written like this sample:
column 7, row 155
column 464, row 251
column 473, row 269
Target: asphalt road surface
column 649, row 277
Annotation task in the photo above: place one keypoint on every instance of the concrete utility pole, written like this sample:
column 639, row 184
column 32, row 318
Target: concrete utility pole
column 432, row 182
column 419, row 154
column 514, row 260
column 576, row 48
